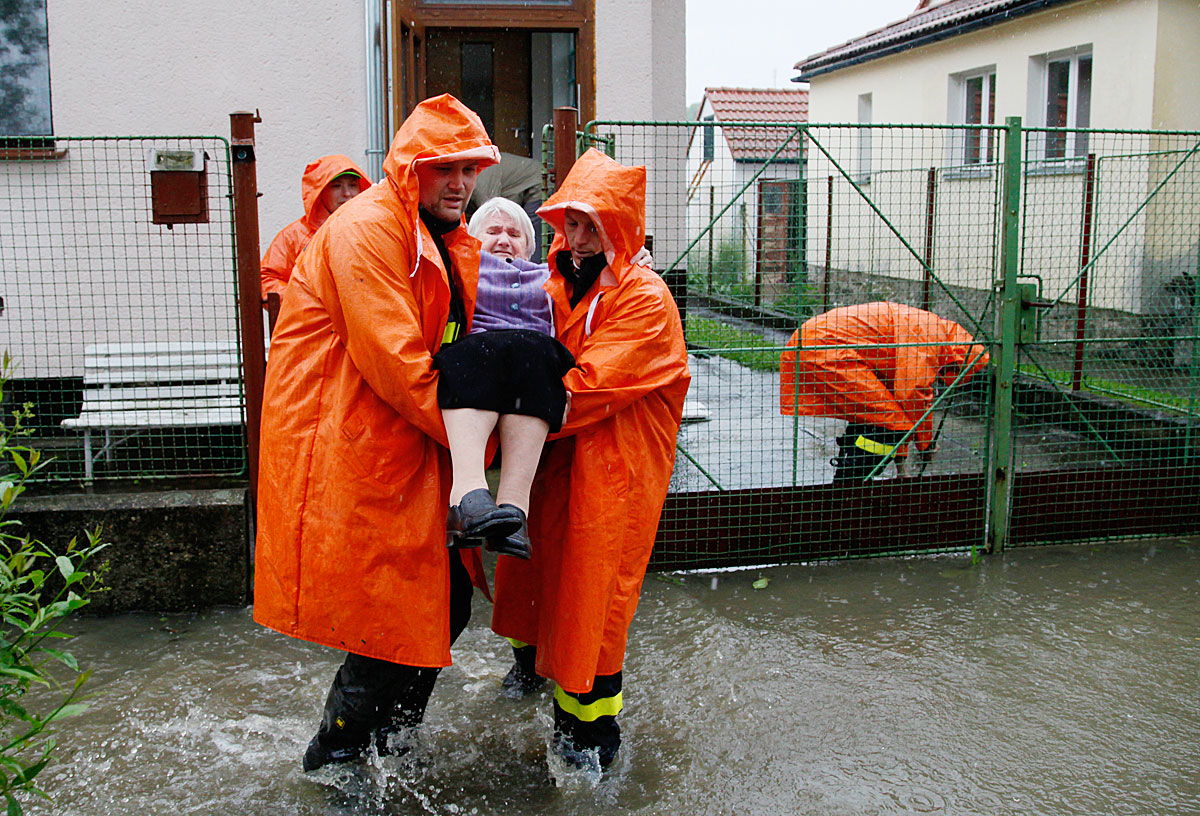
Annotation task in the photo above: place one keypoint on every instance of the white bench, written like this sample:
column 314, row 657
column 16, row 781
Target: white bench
column 138, row 386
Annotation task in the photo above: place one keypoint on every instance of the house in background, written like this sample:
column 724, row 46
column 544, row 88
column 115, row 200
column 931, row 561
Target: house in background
column 1102, row 64
column 746, row 181
column 81, row 260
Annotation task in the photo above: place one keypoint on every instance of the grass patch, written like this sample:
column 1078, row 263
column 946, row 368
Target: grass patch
column 1125, row 392
column 743, row 347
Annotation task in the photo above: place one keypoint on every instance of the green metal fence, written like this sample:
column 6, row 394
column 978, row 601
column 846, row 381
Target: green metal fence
column 1070, row 254
column 117, row 260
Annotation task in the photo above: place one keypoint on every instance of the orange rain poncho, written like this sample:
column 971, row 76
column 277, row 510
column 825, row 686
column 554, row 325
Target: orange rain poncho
column 602, row 482
column 354, row 475
column 888, row 387
column 281, row 255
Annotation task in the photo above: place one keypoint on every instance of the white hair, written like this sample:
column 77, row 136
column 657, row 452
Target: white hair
column 499, row 204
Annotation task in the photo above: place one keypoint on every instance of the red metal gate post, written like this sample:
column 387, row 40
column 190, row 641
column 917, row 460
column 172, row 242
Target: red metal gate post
column 566, row 122
column 1089, row 201
column 250, row 308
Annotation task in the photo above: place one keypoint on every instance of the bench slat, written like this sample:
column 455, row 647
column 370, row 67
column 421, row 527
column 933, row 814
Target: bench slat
column 174, row 418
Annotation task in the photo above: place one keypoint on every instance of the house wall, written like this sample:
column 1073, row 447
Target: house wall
column 136, row 67
column 1176, row 103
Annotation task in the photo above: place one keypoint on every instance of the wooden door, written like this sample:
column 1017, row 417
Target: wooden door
column 488, row 69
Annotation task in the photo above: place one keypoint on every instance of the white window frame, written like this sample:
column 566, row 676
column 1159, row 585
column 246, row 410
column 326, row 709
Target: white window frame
column 1075, row 145
column 957, row 114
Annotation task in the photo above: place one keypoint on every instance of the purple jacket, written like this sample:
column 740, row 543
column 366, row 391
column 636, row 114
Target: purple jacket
column 510, row 296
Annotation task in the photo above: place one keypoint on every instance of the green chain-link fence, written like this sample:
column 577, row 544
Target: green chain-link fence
column 1070, row 255
column 117, row 259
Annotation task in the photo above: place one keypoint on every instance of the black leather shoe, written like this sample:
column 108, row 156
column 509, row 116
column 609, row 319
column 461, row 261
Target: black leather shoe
column 476, row 517
column 515, row 543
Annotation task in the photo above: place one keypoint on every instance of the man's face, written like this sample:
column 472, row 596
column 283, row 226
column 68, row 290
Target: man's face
column 339, row 191
column 446, row 186
column 582, row 235
column 503, row 236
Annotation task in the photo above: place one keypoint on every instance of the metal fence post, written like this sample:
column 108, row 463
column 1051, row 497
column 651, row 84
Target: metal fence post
column 250, row 309
column 566, row 122
column 1008, row 317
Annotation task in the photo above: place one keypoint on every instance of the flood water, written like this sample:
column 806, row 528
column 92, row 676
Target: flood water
column 1060, row 681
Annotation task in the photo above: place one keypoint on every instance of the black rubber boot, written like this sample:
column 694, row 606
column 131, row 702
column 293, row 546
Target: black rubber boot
column 853, row 463
column 522, row 679
column 373, row 699
column 588, row 744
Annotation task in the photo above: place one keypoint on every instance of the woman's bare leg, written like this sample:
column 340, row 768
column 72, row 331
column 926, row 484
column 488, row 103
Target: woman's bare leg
column 521, row 440
column 468, row 430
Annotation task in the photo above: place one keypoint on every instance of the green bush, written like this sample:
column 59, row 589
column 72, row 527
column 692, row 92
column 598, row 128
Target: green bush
column 39, row 684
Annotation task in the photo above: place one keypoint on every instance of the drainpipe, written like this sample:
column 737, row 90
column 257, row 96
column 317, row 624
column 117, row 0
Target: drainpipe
column 376, row 115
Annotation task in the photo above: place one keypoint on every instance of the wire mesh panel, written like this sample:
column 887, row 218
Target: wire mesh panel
column 788, row 453
column 1108, row 403
column 120, row 305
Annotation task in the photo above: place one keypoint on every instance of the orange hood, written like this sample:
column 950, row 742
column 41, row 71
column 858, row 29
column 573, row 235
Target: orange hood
column 613, row 195
column 317, row 176
column 439, row 129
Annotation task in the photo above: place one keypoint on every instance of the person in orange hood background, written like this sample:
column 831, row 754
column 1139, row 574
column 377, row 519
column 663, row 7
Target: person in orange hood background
column 881, row 391
column 327, row 183
column 354, row 473
column 600, row 489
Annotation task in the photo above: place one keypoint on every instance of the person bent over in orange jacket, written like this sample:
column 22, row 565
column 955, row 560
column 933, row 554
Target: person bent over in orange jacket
column 354, row 474
column 599, row 492
column 327, row 183
column 863, row 377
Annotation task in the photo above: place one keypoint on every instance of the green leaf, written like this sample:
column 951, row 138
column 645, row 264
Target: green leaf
column 14, row 807
column 761, row 583
column 66, row 566
column 22, row 465
column 71, row 710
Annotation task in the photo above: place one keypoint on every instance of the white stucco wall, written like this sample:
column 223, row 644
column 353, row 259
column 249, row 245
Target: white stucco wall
column 1177, row 66
column 140, row 67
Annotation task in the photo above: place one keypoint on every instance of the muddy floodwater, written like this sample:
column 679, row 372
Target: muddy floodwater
column 1059, row 681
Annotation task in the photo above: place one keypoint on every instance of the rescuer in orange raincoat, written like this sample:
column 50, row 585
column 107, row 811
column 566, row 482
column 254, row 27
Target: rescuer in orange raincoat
column 354, row 474
column 603, row 479
column 881, row 391
column 327, row 183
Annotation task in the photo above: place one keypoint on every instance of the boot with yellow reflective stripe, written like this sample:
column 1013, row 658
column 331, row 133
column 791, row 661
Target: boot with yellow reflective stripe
column 586, row 732
column 861, row 449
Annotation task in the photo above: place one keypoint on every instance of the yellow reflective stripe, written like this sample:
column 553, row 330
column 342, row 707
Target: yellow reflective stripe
column 517, row 644
column 604, row 707
column 451, row 333
column 871, row 446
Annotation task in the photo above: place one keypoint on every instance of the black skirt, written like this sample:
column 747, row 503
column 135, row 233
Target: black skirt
column 509, row 371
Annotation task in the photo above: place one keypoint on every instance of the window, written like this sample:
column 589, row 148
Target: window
column 973, row 102
column 24, row 73
column 864, row 138
column 1063, row 82
column 709, row 145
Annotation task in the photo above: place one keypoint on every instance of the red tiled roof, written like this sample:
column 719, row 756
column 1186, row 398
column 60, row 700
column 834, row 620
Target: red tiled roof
column 786, row 105
column 923, row 25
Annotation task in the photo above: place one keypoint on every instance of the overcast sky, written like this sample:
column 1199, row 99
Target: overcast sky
column 755, row 43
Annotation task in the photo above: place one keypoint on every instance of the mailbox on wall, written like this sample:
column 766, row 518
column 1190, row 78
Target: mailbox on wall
column 178, row 186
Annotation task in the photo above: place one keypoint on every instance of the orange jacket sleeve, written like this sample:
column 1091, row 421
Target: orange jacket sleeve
column 631, row 353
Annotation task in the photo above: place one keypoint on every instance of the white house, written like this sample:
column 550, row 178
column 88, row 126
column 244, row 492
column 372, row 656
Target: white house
column 746, row 181
column 1072, row 64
